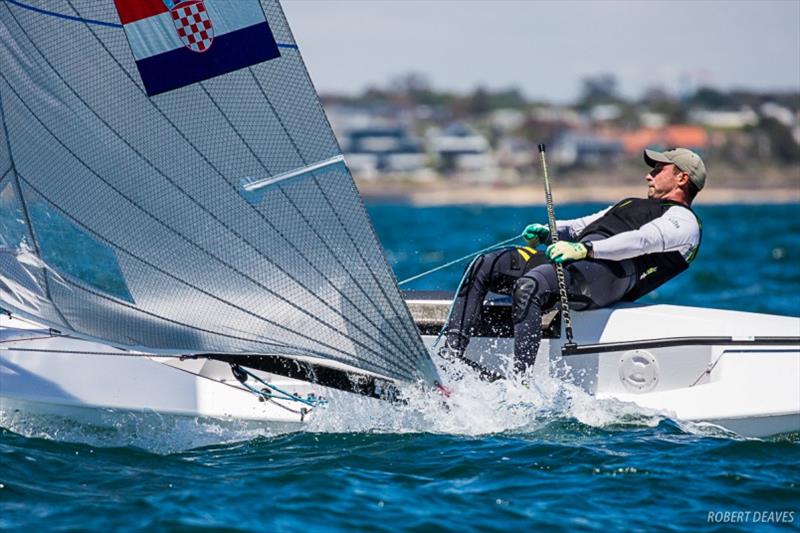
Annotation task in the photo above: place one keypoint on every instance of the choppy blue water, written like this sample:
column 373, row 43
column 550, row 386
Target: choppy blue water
column 569, row 463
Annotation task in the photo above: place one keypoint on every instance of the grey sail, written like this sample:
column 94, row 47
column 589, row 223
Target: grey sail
column 150, row 209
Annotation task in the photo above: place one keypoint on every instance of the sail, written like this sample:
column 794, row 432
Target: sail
column 173, row 185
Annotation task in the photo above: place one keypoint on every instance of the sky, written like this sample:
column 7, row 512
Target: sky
column 546, row 47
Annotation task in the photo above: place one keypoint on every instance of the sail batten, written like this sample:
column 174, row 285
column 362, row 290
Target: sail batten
column 169, row 252
column 254, row 185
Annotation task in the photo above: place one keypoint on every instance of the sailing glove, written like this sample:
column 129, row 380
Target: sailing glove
column 563, row 251
column 535, row 234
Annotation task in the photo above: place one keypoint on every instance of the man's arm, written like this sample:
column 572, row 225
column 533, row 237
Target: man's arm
column 676, row 230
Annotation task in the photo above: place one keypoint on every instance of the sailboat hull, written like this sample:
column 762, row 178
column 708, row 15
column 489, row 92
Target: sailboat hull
column 46, row 375
column 751, row 389
column 743, row 385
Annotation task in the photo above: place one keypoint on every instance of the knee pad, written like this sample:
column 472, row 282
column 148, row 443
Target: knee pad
column 525, row 289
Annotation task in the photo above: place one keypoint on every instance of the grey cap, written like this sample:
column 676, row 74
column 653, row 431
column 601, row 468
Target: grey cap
column 684, row 159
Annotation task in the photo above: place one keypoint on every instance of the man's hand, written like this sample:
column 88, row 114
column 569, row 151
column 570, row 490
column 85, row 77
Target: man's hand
column 563, row 251
column 535, row 234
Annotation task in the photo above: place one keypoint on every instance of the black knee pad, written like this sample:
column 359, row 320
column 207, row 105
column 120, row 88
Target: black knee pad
column 524, row 292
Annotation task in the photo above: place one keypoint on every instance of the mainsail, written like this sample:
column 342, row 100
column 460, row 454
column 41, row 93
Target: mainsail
column 192, row 208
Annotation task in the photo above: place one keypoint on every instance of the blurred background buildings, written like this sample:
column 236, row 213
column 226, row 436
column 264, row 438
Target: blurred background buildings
column 597, row 80
column 409, row 131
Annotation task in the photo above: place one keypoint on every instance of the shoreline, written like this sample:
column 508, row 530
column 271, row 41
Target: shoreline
column 446, row 194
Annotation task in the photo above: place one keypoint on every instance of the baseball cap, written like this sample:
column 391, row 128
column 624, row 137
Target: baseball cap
column 684, row 159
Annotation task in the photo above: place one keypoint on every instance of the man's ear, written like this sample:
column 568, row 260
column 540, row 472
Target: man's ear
column 683, row 179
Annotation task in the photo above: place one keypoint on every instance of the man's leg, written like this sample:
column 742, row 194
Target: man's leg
column 591, row 283
column 495, row 272
column 536, row 290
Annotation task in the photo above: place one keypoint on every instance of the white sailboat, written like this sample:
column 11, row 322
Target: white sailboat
column 180, row 234
column 171, row 186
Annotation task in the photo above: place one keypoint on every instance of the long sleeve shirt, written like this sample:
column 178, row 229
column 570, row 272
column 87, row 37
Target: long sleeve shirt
column 676, row 230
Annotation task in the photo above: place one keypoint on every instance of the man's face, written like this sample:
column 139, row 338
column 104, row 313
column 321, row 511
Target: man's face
column 662, row 180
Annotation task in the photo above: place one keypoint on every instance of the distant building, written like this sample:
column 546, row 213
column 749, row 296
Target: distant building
column 683, row 135
column 460, row 148
column 585, row 150
column 382, row 149
column 782, row 114
column 730, row 120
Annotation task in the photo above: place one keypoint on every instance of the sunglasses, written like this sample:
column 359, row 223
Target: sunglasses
column 657, row 169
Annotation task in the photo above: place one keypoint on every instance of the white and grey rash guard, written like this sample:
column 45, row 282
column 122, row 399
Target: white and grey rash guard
column 677, row 230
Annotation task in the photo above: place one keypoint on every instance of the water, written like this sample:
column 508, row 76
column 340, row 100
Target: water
column 504, row 456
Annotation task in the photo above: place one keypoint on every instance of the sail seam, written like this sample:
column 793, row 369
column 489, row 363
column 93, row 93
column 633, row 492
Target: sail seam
column 304, row 198
column 261, row 215
column 287, row 350
column 283, row 192
column 326, row 304
column 183, row 282
column 344, row 296
column 188, row 241
column 413, row 334
column 402, row 338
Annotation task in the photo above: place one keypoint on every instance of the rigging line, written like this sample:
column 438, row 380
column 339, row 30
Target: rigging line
column 202, row 291
column 402, row 338
column 97, row 22
column 311, row 401
column 288, row 351
column 83, row 352
column 358, row 308
column 285, row 195
column 460, row 259
column 188, row 241
column 24, row 207
column 26, row 339
column 63, row 16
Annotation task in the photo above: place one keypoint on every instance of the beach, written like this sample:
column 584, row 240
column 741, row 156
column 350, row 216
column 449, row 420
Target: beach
column 446, row 193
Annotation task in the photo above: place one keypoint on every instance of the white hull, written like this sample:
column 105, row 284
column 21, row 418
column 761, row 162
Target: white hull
column 751, row 390
column 93, row 388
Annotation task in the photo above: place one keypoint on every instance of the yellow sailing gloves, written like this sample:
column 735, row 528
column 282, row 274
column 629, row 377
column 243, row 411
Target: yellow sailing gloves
column 535, row 234
column 564, row 251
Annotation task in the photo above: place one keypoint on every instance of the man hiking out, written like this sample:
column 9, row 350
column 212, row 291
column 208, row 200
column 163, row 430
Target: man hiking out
column 618, row 254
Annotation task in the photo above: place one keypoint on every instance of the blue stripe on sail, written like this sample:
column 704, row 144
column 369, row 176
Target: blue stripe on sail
column 62, row 16
column 96, row 22
column 229, row 52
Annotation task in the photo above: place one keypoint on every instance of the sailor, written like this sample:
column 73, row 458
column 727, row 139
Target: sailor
column 618, row 254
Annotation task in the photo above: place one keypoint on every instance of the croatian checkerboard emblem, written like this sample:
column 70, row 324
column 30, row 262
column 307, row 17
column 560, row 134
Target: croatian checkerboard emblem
column 177, row 43
column 194, row 25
